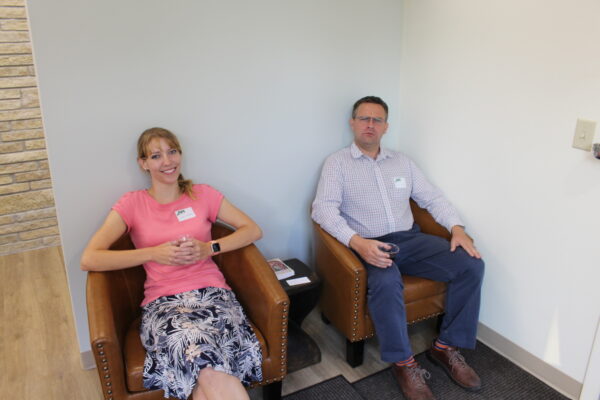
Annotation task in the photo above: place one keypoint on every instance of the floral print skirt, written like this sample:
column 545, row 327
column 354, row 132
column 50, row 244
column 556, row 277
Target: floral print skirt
column 186, row 332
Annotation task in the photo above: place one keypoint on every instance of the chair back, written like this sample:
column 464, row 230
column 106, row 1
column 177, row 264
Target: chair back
column 427, row 223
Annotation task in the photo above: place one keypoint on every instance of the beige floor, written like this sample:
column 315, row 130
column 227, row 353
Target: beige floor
column 38, row 348
column 39, row 354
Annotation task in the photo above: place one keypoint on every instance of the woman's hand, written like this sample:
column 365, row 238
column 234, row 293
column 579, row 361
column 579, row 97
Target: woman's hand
column 182, row 252
column 193, row 250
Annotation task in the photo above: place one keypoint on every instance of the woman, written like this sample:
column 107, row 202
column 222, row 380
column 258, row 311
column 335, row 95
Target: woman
column 196, row 336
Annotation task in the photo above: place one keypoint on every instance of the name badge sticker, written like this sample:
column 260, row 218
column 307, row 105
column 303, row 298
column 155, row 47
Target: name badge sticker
column 184, row 214
column 400, row 182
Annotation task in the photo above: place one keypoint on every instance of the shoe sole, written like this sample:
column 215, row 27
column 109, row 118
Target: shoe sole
column 440, row 364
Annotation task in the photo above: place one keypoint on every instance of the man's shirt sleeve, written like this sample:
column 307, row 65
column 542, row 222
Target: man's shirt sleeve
column 326, row 206
column 431, row 198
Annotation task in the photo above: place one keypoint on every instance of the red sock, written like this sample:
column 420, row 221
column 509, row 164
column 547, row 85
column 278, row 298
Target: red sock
column 440, row 345
column 409, row 362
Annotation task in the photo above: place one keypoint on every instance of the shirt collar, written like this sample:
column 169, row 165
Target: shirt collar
column 356, row 153
column 383, row 154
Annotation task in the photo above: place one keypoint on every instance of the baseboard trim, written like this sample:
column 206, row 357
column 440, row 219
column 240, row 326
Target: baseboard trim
column 87, row 360
column 530, row 363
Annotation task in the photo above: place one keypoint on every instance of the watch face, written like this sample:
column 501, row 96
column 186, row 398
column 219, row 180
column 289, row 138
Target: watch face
column 215, row 247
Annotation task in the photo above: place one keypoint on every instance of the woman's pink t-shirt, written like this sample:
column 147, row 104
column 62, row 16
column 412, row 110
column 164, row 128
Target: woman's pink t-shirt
column 150, row 223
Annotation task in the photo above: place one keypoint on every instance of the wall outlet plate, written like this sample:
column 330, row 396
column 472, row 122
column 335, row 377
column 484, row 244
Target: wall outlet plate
column 584, row 134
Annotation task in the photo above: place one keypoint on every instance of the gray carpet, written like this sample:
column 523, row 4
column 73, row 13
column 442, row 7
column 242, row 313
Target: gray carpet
column 332, row 389
column 502, row 380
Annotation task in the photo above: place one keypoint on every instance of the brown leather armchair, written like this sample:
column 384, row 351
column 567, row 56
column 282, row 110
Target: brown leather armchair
column 113, row 303
column 344, row 292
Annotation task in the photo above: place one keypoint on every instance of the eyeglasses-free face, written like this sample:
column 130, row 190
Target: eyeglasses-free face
column 163, row 161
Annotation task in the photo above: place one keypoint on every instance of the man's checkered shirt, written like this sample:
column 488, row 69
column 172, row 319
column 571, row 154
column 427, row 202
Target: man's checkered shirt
column 359, row 195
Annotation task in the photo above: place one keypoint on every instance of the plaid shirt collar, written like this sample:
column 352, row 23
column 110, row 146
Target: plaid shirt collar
column 357, row 153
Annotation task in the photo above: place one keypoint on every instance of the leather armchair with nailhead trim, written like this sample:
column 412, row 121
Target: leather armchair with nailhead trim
column 113, row 303
column 343, row 299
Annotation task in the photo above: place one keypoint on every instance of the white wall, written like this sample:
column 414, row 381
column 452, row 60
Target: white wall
column 490, row 93
column 259, row 93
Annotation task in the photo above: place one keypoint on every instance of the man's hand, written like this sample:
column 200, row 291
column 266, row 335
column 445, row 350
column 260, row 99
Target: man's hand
column 369, row 250
column 460, row 238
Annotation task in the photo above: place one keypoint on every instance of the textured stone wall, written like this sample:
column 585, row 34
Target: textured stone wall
column 27, row 214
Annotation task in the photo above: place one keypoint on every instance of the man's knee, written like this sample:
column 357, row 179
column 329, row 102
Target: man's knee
column 471, row 266
column 384, row 280
column 475, row 268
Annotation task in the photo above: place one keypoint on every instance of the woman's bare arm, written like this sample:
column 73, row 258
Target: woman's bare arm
column 98, row 257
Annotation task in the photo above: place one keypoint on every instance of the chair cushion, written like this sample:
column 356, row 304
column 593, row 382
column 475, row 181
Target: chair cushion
column 135, row 354
column 416, row 288
column 423, row 298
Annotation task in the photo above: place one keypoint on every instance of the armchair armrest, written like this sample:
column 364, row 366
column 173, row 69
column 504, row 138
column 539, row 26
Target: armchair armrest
column 109, row 316
column 263, row 299
column 344, row 292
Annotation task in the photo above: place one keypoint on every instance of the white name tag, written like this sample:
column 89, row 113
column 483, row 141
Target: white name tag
column 298, row 281
column 400, row 182
column 185, row 214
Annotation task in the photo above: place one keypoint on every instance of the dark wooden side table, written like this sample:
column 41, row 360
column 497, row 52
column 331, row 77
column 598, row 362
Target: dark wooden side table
column 302, row 349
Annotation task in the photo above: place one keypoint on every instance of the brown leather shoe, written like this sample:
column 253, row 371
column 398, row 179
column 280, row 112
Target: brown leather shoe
column 456, row 367
column 412, row 382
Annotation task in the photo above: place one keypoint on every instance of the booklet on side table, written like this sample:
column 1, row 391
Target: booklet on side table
column 281, row 269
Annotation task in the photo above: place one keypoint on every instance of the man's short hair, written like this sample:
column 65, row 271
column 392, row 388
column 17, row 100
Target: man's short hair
column 372, row 100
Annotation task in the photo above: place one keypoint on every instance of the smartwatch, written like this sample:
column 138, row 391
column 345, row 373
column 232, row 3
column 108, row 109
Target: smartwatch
column 215, row 247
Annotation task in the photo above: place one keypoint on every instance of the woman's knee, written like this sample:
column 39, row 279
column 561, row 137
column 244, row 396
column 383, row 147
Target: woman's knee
column 209, row 377
column 217, row 383
column 205, row 374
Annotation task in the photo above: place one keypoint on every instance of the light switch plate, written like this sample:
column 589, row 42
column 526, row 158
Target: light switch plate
column 584, row 134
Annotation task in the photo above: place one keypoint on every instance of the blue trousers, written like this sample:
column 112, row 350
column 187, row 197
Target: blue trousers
column 425, row 256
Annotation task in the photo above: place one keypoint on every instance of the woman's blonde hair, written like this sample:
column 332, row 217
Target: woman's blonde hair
column 185, row 185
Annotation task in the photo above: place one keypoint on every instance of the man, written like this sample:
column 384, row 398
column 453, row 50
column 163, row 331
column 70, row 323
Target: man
column 363, row 201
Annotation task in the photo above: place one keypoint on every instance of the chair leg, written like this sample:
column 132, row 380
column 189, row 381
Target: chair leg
column 272, row 391
column 355, row 352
